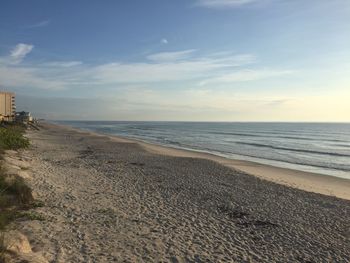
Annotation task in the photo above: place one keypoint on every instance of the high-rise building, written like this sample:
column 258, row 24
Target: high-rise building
column 7, row 106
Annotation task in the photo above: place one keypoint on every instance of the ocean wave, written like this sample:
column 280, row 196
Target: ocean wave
column 239, row 134
column 259, row 157
column 280, row 137
column 294, row 150
column 324, row 147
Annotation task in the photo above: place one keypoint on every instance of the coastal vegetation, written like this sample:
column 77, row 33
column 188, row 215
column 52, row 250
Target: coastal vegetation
column 11, row 137
column 15, row 194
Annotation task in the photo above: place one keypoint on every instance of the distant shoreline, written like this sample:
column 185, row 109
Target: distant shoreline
column 307, row 181
column 312, row 122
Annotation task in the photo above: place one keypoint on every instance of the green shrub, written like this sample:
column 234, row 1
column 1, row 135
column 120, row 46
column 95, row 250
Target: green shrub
column 11, row 138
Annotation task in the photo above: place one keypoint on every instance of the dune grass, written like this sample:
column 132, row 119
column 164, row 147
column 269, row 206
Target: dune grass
column 15, row 195
column 11, row 137
column 13, row 190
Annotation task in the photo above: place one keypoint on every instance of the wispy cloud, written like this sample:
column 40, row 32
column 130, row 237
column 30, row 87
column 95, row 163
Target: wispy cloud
column 169, row 70
column 63, row 64
column 164, row 41
column 20, row 51
column 170, row 56
column 246, row 75
column 223, row 3
column 14, row 74
column 39, row 24
column 27, row 78
column 172, row 68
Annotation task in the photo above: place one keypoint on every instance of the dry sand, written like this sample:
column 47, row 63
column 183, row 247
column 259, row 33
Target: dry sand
column 114, row 201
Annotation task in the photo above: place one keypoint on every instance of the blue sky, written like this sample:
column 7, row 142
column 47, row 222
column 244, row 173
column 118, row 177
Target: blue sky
column 201, row 60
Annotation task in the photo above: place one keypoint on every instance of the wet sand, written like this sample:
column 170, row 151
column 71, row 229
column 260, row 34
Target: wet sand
column 312, row 182
column 307, row 181
column 114, row 200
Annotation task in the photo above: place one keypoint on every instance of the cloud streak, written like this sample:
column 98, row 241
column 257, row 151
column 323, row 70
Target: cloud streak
column 25, row 78
column 246, row 75
column 39, row 24
column 170, row 56
column 168, row 67
column 63, row 64
column 223, row 3
column 165, row 68
column 20, row 51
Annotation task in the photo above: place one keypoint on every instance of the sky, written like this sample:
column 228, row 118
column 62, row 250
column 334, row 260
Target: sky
column 183, row 60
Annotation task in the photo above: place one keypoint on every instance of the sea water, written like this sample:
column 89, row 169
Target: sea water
column 314, row 147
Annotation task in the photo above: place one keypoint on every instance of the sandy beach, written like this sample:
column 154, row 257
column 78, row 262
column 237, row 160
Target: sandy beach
column 109, row 199
column 311, row 182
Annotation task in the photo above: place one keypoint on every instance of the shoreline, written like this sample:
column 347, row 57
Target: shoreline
column 108, row 199
column 307, row 181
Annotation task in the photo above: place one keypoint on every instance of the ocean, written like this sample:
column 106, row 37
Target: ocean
column 322, row 148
